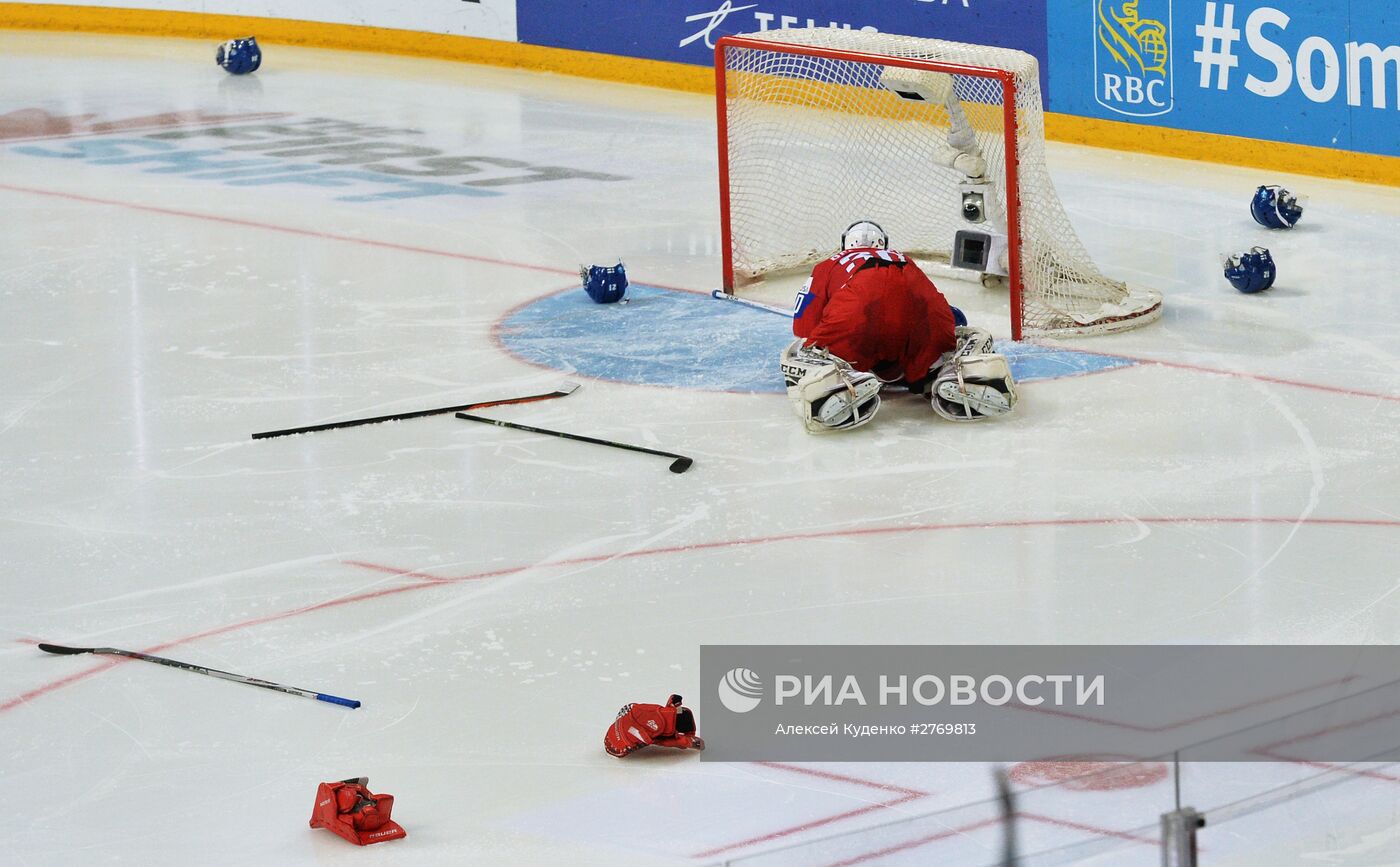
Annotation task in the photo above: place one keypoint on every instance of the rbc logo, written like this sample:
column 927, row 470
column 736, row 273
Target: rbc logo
column 1132, row 57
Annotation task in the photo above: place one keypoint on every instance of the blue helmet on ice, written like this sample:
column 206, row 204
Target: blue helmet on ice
column 603, row 284
column 1251, row 271
column 239, row 56
column 1275, row 208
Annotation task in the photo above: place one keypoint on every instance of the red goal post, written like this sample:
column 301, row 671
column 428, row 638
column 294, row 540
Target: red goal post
column 941, row 143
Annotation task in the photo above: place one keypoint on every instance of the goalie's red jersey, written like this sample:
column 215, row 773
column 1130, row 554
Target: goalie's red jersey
column 639, row 725
column 877, row 310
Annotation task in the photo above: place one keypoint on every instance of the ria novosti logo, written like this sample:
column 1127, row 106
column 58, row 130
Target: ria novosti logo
column 740, row 690
column 1133, row 57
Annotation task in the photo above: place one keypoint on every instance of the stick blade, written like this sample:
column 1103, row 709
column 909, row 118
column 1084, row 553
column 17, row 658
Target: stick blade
column 568, row 386
column 60, row 649
column 680, row 465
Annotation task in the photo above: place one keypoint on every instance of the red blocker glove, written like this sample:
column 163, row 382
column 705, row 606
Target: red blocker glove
column 349, row 809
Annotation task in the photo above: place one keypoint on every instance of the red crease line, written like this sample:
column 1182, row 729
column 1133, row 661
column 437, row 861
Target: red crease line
column 1198, row 368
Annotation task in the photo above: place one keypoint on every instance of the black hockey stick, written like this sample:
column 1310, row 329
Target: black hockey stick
column 679, row 465
column 565, row 389
column 199, row 669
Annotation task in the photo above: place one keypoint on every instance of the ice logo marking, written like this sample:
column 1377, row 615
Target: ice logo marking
column 1132, row 57
column 740, row 690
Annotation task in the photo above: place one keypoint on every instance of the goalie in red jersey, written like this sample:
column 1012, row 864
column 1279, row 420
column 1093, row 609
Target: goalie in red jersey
column 657, row 725
column 868, row 316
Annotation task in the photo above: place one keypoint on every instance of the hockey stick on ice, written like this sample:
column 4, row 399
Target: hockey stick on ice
column 721, row 295
column 679, row 465
column 199, row 669
column 564, row 389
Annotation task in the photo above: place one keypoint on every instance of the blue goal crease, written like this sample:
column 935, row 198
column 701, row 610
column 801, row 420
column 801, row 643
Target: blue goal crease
column 681, row 339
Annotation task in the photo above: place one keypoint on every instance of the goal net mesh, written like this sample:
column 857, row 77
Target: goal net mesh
column 815, row 143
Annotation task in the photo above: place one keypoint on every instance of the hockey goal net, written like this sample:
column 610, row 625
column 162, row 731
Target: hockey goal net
column 941, row 143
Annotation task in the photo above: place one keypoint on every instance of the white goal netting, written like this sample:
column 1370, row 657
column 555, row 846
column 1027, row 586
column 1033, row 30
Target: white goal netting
column 821, row 127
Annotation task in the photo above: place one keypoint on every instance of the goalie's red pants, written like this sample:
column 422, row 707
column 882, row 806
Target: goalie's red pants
column 877, row 310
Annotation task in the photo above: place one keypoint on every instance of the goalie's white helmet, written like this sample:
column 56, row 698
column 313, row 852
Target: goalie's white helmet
column 864, row 233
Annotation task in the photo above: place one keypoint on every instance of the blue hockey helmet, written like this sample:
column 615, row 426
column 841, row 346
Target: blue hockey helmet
column 1276, row 208
column 1251, row 271
column 603, row 284
column 239, row 56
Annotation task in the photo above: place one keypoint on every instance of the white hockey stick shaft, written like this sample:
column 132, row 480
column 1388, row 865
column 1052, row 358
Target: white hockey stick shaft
column 199, row 669
column 721, row 295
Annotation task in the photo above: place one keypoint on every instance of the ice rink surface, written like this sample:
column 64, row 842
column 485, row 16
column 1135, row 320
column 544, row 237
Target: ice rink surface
column 171, row 282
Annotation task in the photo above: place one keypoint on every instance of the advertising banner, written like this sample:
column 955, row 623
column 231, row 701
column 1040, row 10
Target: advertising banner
column 890, row 703
column 685, row 31
column 486, row 19
column 1310, row 72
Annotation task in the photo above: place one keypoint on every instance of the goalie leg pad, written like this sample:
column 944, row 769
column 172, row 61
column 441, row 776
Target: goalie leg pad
column 972, row 340
column 826, row 392
column 972, row 387
column 797, row 360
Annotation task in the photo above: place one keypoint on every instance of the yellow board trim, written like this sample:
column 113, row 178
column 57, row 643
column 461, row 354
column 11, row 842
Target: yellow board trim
column 1216, row 148
column 352, row 37
column 1210, row 147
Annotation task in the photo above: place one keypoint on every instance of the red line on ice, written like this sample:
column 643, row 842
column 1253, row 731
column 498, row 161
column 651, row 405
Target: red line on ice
column 23, row 698
column 1332, row 766
column 1189, row 720
column 805, row 826
column 843, row 778
column 1079, row 826
column 1240, row 374
column 427, row 580
column 1271, row 750
column 1389, row 714
column 11, row 703
column 158, row 123
column 916, row 843
column 428, row 251
column 984, row 823
column 905, row 795
column 391, row 570
column 306, row 233
column 924, row 528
